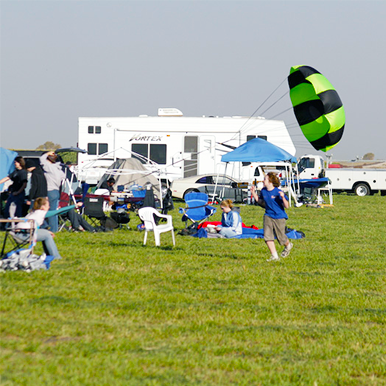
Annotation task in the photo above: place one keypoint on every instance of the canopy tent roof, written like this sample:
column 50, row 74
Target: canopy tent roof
column 6, row 163
column 258, row 150
column 130, row 171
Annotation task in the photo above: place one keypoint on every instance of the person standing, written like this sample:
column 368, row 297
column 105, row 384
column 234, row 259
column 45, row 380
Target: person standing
column 37, row 184
column 275, row 202
column 54, row 176
column 19, row 178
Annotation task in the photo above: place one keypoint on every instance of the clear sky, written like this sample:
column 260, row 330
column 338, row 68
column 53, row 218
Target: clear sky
column 61, row 60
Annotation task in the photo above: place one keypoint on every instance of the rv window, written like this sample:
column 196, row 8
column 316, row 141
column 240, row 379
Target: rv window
column 263, row 137
column 98, row 129
column 103, row 148
column 191, row 144
column 141, row 149
column 158, row 153
column 91, row 129
column 249, row 137
column 92, row 149
column 257, row 172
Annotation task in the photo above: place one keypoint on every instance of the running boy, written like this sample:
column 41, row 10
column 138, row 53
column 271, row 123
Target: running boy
column 275, row 202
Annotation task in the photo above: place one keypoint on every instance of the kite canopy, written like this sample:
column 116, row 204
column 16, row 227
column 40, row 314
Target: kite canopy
column 317, row 107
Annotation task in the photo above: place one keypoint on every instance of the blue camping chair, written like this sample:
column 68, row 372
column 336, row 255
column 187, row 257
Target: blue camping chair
column 197, row 209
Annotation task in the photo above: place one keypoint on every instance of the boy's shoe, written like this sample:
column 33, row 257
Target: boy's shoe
column 273, row 258
column 287, row 250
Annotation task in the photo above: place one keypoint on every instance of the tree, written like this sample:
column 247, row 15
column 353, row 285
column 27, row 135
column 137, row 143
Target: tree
column 49, row 146
column 368, row 156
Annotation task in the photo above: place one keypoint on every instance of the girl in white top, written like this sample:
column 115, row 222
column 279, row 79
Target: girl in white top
column 40, row 208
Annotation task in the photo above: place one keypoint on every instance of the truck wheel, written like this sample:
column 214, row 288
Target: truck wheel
column 362, row 189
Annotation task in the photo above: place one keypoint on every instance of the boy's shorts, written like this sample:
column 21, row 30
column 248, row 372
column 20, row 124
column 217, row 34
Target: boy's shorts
column 275, row 226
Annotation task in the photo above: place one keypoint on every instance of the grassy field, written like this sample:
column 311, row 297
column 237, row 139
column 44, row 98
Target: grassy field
column 207, row 312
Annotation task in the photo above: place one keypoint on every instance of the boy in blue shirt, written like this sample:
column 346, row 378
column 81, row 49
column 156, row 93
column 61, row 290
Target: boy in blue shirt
column 275, row 202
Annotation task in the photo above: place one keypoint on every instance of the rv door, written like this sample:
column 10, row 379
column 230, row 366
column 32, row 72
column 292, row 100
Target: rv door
column 206, row 158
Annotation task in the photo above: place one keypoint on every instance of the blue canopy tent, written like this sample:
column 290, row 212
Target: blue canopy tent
column 6, row 163
column 260, row 150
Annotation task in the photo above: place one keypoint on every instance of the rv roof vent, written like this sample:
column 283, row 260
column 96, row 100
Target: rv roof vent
column 169, row 112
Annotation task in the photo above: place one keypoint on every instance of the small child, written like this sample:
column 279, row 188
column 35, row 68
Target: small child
column 275, row 202
column 231, row 224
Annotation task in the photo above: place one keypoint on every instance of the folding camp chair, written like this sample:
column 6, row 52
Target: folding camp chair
column 147, row 215
column 93, row 209
column 64, row 221
column 17, row 239
column 197, row 209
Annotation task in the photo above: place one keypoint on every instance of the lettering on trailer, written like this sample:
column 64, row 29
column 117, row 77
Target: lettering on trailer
column 146, row 138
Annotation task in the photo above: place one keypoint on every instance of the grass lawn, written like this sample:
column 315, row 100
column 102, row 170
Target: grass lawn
column 207, row 312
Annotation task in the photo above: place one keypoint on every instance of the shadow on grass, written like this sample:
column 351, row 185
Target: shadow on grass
column 52, row 300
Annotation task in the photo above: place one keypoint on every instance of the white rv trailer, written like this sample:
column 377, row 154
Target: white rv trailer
column 179, row 146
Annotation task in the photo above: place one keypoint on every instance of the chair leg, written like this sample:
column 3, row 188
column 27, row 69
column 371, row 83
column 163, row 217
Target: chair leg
column 145, row 238
column 174, row 240
column 157, row 239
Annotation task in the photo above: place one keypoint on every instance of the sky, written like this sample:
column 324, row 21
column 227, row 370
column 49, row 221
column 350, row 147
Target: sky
column 61, row 60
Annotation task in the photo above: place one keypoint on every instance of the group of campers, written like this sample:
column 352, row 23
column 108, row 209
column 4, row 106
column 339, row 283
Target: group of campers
column 44, row 193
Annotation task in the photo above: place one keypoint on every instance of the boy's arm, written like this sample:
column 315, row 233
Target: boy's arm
column 285, row 201
column 259, row 200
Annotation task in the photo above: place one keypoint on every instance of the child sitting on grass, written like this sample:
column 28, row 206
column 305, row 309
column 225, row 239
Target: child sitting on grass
column 231, row 224
column 275, row 202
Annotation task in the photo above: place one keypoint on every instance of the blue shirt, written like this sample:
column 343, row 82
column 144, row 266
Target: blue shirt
column 232, row 220
column 274, row 206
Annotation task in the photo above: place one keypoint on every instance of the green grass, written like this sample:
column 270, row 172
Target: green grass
column 207, row 312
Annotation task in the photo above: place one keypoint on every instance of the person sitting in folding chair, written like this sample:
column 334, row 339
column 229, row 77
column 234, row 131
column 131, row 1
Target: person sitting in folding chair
column 40, row 209
column 78, row 223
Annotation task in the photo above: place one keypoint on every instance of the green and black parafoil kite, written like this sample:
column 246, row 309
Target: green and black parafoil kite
column 317, row 107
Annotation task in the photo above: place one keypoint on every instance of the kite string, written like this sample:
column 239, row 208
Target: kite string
column 261, row 105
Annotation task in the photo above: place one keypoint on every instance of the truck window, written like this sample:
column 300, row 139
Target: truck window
column 306, row 163
column 257, row 172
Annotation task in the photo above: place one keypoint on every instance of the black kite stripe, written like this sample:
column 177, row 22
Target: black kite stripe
column 308, row 112
column 328, row 140
column 330, row 100
column 300, row 76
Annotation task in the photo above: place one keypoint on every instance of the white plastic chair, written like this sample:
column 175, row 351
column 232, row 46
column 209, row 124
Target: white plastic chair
column 147, row 216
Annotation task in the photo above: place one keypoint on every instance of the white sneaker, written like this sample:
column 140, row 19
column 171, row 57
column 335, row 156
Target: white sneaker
column 273, row 258
column 287, row 250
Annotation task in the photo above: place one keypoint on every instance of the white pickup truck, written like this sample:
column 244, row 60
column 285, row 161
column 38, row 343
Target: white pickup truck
column 362, row 182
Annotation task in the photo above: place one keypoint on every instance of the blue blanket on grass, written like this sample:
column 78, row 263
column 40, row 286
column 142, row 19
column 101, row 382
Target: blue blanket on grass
column 250, row 233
